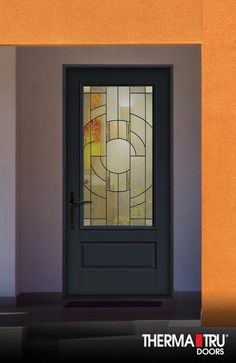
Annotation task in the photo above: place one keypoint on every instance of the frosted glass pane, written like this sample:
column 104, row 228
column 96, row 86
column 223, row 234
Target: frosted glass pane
column 87, row 110
column 149, row 151
column 97, row 100
column 98, row 206
column 149, row 89
column 123, row 93
column 99, row 168
column 111, row 103
column 98, row 111
column 118, row 156
column 113, row 185
column 137, row 89
column 149, row 107
column 149, row 203
column 138, row 127
column 87, row 89
column 122, row 182
column 138, row 199
column 112, row 210
column 118, row 159
column 138, row 211
column 123, row 130
column 98, row 186
column 98, row 222
column 113, row 130
column 137, row 222
column 124, row 209
column 98, row 89
column 87, row 222
column 138, row 104
column 138, row 144
column 137, row 175
column 86, row 206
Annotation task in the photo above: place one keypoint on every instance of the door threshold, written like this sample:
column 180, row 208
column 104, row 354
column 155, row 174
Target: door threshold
column 117, row 298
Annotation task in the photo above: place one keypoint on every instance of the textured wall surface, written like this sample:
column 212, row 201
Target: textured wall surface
column 219, row 163
column 173, row 22
column 85, row 22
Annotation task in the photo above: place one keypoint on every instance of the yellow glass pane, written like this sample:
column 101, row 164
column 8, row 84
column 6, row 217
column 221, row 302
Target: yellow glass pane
column 97, row 100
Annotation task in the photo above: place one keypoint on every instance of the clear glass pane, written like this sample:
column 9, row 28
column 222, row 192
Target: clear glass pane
column 118, row 147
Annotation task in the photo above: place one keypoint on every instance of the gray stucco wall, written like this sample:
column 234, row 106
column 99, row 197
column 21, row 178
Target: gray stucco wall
column 40, row 145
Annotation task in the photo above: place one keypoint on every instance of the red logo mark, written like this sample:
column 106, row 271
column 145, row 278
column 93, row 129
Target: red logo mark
column 198, row 340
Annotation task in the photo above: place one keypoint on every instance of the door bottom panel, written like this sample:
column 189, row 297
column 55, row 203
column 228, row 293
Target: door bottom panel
column 118, row 255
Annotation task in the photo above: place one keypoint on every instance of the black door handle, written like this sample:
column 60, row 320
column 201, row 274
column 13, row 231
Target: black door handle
column 78, row 203
column 75, row 204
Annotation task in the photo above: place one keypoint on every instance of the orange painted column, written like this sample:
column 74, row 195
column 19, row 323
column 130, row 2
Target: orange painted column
column 219, row 163
column 156, row 22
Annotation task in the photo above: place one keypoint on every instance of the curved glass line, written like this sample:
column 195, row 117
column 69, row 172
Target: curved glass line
column 100, row 156
column 94, row 192
column 102, row 114
column 117, row 138
column 92, row 109
column 135, row 152
column 97, row 174
column 118, row 120
column 112, row 172
column 141, row 192
column 136, row 205
column 138, row 137
column 118, row 191
column 141, row 118
column 123, row 172
column 133, row 201
column 121, row 138
column 102, row 163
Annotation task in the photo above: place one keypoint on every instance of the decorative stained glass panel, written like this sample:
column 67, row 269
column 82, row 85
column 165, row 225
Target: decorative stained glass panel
column 118, row 166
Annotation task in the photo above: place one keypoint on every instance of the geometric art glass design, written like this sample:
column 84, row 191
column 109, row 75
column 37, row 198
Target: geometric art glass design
column 118, row 155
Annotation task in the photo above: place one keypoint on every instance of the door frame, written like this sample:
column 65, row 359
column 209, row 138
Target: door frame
column 64, row 168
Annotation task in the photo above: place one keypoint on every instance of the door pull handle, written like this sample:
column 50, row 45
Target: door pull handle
column 78, row 203
column 75, row 204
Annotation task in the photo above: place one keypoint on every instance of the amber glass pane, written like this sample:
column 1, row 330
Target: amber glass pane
column 118, row 167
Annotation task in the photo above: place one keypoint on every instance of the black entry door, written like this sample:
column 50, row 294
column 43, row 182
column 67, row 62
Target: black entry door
column 117, row 180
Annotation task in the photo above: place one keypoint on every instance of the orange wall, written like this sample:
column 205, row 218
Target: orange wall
column 219, row 162
column 99, row 22
column 89, row 22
